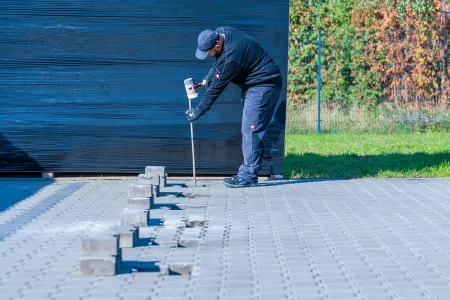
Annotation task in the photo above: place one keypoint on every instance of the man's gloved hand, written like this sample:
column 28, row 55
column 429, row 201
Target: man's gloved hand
column 193, row 114
column 201, row 85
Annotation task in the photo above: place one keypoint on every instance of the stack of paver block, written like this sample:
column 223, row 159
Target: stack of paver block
column 158, row 171
column 102, row 252
column 141, row 198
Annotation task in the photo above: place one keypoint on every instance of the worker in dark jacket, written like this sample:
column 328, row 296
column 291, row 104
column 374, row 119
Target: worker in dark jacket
column 242, row 61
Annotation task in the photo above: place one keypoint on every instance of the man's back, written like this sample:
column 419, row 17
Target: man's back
column 256, row 67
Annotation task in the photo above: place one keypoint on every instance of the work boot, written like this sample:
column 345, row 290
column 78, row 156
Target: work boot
column 239, row 182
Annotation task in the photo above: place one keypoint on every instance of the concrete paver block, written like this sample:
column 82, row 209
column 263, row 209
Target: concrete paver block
column 148, row 179
column 141, row 203
column 104, row 243
column 162, row 181
column 169, row 244
column 155, row 170
column 177, row 269
column 188, row 243
column 156, row 189
column 134, row 217
column 129, row 235
column 159, row 171
column 99, row 265
column 48, row 175
column 195, row 221
column 140, row 191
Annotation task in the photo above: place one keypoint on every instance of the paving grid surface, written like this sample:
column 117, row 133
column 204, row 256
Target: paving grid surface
column 319, row 239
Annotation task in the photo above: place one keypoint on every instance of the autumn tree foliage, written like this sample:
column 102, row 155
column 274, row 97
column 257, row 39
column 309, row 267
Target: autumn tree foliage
column 390, row 52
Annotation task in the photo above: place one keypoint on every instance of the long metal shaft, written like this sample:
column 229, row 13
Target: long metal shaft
column 193, row 149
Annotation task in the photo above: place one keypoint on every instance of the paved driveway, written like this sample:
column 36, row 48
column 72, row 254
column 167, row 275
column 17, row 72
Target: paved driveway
column 338, row 239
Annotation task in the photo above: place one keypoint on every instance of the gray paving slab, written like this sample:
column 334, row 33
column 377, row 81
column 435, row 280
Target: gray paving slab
column 314, row 239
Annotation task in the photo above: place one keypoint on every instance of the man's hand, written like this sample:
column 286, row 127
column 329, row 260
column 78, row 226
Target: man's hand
column 193, row 114
column 201, row 85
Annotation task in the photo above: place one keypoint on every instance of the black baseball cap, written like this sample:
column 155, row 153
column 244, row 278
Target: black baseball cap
column 207, row 39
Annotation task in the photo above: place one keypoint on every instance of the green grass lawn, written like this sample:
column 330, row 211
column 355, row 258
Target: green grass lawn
column 367, row 155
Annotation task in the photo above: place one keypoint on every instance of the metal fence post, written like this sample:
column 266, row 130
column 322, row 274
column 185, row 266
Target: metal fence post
column 319, row 46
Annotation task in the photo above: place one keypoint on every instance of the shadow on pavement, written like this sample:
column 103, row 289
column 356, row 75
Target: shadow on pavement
column 14, row 160
column 128, row 267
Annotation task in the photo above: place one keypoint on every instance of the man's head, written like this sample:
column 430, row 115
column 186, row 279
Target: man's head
column 209, row 43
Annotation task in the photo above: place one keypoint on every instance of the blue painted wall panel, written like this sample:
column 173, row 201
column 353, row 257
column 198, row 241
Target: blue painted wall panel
column 97, row 86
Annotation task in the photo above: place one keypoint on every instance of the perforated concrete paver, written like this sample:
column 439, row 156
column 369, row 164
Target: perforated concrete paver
column 311, row 239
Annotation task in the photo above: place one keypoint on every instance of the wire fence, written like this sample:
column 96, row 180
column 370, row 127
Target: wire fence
column 369, row 81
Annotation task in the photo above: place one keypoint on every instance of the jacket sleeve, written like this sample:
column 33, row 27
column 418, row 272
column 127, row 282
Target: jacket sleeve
column 224, row 71
column 209, row 76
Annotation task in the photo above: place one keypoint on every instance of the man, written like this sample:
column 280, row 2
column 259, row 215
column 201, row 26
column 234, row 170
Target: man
column 241, row 60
